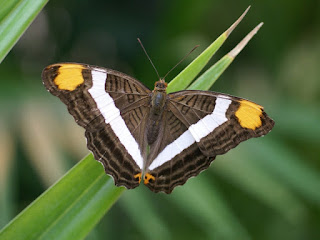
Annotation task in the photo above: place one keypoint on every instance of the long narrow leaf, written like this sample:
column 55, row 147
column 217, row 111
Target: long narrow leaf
column 16, row 16
column 185, row 77
column 69, row 209
column 206, row 80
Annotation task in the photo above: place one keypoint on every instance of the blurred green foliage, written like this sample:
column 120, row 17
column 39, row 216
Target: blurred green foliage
column 266, row 188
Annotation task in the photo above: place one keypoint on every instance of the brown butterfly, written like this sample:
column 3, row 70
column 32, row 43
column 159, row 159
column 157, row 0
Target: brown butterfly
column 139, row 134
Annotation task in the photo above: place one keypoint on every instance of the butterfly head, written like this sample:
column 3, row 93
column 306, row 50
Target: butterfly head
column 160, row 85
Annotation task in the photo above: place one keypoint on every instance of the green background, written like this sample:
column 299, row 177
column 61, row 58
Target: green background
column 267, row 188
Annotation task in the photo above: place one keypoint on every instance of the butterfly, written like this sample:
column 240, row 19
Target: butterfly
column 151, row 136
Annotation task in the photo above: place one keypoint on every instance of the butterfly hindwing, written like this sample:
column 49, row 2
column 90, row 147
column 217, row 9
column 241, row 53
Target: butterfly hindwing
column 103, row 101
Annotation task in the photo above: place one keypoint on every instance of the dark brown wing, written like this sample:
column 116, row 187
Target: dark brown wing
column 234, row 119
column 214, row 124
column 109, row 105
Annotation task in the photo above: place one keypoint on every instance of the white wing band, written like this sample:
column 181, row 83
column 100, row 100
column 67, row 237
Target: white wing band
column 195, row 133
column 112, row 115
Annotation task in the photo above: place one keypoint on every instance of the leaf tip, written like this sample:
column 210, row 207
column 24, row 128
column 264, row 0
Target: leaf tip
column 234, row 52
column 235, row 24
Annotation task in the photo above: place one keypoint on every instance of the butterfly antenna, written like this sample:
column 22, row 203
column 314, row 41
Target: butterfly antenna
column 181, row 60
column 148, row 57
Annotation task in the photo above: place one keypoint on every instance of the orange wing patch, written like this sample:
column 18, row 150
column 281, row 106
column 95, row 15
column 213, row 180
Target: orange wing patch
column 147, row 178
column 138, row 176
column 69, row 77
column 249, row 115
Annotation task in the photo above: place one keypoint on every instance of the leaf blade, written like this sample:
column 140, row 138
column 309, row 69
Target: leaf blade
column 67, row 212
column 207, row 79
column 185, row 77
column 16, row 18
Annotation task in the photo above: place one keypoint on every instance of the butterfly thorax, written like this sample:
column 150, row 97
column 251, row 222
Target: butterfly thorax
column 158, row 102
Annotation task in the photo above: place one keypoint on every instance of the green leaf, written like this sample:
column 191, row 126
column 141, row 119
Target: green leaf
column 184, row 78
column 15, row 18
column 206, row 80
column 69, row 209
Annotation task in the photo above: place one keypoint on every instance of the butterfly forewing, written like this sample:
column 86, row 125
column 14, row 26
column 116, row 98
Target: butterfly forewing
column 219, row 122
column 108, row 104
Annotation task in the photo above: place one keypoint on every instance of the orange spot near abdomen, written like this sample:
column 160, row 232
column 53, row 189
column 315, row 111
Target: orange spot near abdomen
column 147, row 178
column 138, row 176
